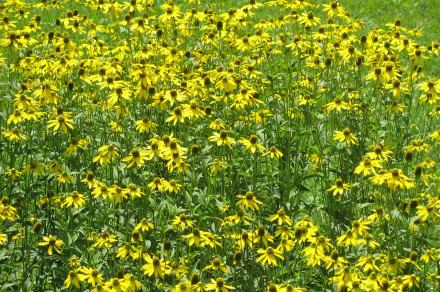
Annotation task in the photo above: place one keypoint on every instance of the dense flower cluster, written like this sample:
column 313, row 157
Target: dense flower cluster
column 188, row 146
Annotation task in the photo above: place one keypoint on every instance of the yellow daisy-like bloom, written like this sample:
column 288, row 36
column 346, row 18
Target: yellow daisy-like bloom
column 333, row 9
column 106, row 153
column 17, row 117
column 61, row 122
column 106, row 240
column 137, row 157
column 380, row 153
column 65, row 177
column 75, row 144
column 12, row 172
column 281, row 217
column 334, row 260
column 145, row 125
column 251, row 144
column 249, row 201
column 183, row 287
column 53, row 243
column 347, row 239
column 273, row 152
column 435, row 136
column 176, row 116
column 368, row 240
column 196, row 237
column 218, row 285
column 262, row 235
column 144, row 225
column 73, row 277
column 337, row 104
column 91, row 276
column 238, row 217
column 154, row 266
column 217, row 265
column 3, row 238
column 308, row 19
column 218, row 165
column 157, row 183
column 222, row 138
column 103, row 191
column 367, row 166
column 76, row 199
column 181, row 221
column 314, row 253
column 396, row 179
column 217, row 125
column 339, row 187
column 172, row 186
column 127, row 249
column 14, row 135
column 346, row 136
column 33, row 167
column 269, row 256
column 131, row 283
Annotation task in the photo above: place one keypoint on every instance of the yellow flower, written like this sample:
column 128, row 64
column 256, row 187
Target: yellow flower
column 144, row 225
column 314, row 253
column 346, row 136
column 154, row 266
column 337, row 104
column 73, row 277
column 218, row 165
column 157, row 183
column 137, row 157
column 12, row 172
column 92, row 276
column 274, row 152
column 105, row 240
column 76, row 199
column 334, row 260
column 75, row 144
column 196, row 237
column 181, row 221
column 65, row 177
column 127, row 249
column 396, row 179
column 219, row 285
column 308, row 19
column 61, row 122
column 367, row 166
column 333, row 9
column 239, row 217
column 217, row 125
column 251, row 144
column 14, row 135
column 249, row 201
column 222, row 138
column 145, row 125
column 269, row 256
column 177, row 116
column 261, row 234
column 52, row 242
column 17, row 117
column 3, row 238
column 347, row 239
column 33, row 167
column 106, row 153
column 281, row 217
column 183, row 287
column 217, row 265
column 74, row 261
column 339, row 187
